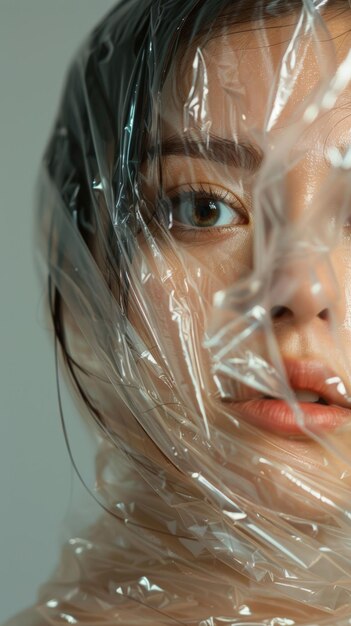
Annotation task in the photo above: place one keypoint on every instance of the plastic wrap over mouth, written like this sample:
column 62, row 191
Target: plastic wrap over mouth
column 195, row 218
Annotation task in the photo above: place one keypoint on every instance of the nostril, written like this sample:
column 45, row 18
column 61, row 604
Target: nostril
column 279, row 311
column 324, row 315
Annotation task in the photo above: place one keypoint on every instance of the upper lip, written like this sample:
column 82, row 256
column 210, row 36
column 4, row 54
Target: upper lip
column 317, row 377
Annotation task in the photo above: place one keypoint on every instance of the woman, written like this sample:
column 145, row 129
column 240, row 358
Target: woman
column 195, row 210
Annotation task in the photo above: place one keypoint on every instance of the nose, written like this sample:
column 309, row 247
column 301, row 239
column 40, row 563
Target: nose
column 303, row 290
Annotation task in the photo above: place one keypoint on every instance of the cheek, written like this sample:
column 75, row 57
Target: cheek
column 182, row 282
column 172, row 308
column 168, row 316
column 343, row 274
column 214, row 266
column 341, row 308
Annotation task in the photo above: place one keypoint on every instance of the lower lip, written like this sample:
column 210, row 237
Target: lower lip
column 278, row 417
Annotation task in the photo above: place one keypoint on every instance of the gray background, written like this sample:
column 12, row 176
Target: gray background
column 37, row 40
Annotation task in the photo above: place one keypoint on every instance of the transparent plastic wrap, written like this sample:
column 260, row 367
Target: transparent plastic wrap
column 195, row 219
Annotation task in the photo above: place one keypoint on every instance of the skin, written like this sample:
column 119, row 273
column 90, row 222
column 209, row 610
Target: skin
column 315, row 322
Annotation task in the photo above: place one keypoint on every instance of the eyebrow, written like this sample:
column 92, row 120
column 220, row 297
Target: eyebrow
column 242, row 155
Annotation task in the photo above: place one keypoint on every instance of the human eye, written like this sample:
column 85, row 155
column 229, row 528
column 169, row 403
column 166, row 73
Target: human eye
column 205, row 211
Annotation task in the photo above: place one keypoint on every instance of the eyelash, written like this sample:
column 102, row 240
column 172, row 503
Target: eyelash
column 216, row 194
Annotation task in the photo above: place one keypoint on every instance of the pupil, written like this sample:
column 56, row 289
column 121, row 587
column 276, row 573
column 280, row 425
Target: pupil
column 205, row 213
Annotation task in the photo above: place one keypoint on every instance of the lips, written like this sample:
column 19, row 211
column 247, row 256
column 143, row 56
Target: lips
column 310, row 380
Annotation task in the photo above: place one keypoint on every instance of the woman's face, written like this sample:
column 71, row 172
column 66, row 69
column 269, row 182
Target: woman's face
column 241, row 305
column 252, row 278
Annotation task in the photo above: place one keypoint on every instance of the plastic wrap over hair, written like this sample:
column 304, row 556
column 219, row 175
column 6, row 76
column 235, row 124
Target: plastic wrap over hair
column 195, row 217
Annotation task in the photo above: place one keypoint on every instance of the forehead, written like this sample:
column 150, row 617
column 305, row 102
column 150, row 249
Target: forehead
column 260, row 77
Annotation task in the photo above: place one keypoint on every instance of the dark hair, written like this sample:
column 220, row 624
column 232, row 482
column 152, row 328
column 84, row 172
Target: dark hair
column 105, row 118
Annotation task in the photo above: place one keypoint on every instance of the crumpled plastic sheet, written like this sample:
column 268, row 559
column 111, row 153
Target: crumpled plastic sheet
column 194, row 218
